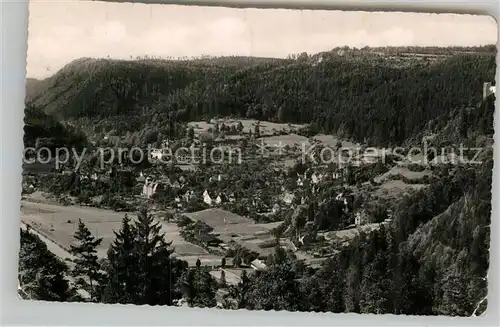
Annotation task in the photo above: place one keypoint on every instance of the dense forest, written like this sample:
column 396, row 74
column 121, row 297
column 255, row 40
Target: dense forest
column 356, row 94
column 41, row 129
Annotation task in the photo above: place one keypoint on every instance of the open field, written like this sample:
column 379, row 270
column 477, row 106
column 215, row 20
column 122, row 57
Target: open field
column 283, row 140
column 350, row 233
column 404, row 171
column 58, row 223
column 233, row 276
column 217, row 217
column 332, row 141
column 397, row 188
column 41, row 197
column 268, row 132
column 225, row 222
column 231, row 227
column 265, row 127
column 187, row 251
column 205, row 259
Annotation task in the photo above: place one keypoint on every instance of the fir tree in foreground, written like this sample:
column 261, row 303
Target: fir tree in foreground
column 198, row 287
column 87, row 269
column 140, row 269
column 121, row 267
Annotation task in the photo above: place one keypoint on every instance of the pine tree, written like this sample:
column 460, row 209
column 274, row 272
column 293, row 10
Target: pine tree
column 86, row 270
column 275, row 288
column 186, row 286
column 242, row 291
column 122, row 275
column 333, row 275
column 206, row 288
column 455, row 300
column 140, row 269
column 312, row 298
column 374, row 289
column 154, row 263
column 198, row 287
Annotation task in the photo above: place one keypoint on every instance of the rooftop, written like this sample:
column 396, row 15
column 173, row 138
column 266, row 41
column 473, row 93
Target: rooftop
column 259, row 265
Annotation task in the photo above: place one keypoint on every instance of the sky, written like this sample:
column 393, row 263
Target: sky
column 61, row 31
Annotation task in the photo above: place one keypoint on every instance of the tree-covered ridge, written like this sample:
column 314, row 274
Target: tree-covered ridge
column 358, row 99
column 107, row 87
column 429, row 257
column 357, row 94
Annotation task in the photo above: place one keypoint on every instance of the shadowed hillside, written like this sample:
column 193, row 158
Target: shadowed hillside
column 41, row 129
column 104, row 87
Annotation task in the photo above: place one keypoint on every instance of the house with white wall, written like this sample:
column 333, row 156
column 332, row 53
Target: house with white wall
column 150, row 188
column 288, row 197
column 206, row 198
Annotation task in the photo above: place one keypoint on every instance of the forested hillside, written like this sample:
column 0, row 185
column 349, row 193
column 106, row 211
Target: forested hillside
column 357, row 94
column 103, row 87
column 431, row 260
column 42, row 128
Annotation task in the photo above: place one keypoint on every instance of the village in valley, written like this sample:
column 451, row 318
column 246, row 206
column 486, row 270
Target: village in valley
column 230, row 209
column 217, row 162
